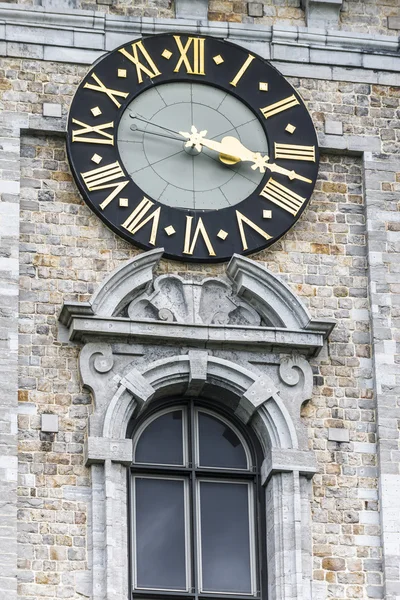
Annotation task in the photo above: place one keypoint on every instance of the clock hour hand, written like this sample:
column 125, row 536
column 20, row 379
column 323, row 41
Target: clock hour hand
column 231, row 150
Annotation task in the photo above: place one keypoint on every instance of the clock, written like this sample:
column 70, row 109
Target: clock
column 193, row 144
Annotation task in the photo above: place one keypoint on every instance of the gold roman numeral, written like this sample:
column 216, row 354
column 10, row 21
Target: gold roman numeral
column 189, row 245
column 137, row 219
column 78, row 135
column 150, row 70
column 293, row 152
column 100, row 87
column 273, row 109
column 282, row 196
column 242, row 70
column 243, row 219
column 197, row 66
column 101, row 178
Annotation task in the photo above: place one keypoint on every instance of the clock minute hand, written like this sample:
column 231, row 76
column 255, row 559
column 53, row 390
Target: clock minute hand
column 291, row 174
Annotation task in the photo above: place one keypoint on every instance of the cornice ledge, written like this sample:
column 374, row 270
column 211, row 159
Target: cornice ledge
column 92, row 328
column 96, row 22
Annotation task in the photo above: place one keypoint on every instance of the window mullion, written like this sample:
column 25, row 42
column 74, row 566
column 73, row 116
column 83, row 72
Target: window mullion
column 193, row 483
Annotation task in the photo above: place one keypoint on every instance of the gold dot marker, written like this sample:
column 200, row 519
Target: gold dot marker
column 267, row 214
column 122, row 73
column 263, row 86
column 218, row 59
column 95, row 111
column 169, row 230
column 96, row 158
column 166, row 54
column 222, row 235
column 290, row 128
column 123, row 202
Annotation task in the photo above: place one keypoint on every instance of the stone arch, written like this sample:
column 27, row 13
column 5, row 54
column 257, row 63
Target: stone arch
column 193, row 371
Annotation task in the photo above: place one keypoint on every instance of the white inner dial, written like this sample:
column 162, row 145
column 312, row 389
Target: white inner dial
column 154, row 153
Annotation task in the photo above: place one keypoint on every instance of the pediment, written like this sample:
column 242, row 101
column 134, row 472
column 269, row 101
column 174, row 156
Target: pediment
column 249, row 304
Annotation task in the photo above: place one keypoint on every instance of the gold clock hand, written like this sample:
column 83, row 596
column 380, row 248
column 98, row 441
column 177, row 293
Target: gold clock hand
column 291, row 174
column 230, row 149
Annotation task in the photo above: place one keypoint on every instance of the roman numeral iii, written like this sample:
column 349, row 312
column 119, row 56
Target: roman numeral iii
column 138, row 219
column 293, row 152
column 149, row 69
column 80, row 135
column 196, row 67
column 101, row 178
column 277, row 107
column 100, row 87
column 282, row 196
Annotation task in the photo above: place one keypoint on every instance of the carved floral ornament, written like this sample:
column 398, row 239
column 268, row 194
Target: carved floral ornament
column 242, row 340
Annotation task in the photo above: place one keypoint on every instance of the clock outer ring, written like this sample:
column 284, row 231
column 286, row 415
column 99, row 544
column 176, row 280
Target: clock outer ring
column 176, row 214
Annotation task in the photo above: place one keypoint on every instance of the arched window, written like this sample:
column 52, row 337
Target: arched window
column 196, row 523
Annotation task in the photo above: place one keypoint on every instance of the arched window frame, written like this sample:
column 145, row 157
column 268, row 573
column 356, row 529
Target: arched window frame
column 197, row 473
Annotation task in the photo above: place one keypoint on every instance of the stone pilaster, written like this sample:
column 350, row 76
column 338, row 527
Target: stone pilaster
column 9, row 281
column 383, row 226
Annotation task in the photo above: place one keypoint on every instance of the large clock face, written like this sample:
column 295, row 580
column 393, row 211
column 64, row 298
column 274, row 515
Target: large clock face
column 192, row 144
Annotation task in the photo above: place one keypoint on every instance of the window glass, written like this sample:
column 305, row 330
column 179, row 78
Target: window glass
column 219, row 445
column 161, row 442
column 160, row 533
column 225, row 537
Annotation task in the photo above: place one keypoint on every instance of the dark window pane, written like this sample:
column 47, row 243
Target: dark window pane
column 219, row 446
column 160, row 533
column 225, row 539
column 161, row 441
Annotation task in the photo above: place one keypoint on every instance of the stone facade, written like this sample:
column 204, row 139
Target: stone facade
column 341, row 260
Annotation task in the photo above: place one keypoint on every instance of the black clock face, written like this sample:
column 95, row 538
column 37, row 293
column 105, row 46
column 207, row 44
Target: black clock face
column 192, row 144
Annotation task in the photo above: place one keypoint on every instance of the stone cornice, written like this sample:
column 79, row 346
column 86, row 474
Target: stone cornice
column 89, row 328
column 83, row 36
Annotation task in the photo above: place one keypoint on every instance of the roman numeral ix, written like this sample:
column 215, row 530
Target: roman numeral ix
column 102, row 178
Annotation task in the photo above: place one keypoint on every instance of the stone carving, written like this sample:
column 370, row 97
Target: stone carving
column 173, row 299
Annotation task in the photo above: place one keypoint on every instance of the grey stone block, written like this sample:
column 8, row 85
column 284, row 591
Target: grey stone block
column 338, row 435
column 333, row 127
column 49, row 423
column 191, row 9
column 322, row 13
column 255, row 9
column 393, row 22
column 51, row 110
